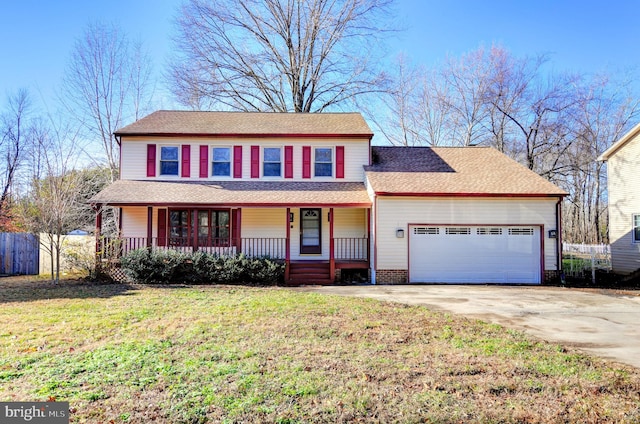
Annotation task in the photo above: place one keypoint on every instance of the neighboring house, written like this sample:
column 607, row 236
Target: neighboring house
column 623, row 181
column 311, row 190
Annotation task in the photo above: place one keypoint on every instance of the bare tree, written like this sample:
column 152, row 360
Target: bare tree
column 606, row 112
column 399, row 124
column 14, row 142
column 107, row 82
column 276, row 55
column 52, row 205
column 555, row 124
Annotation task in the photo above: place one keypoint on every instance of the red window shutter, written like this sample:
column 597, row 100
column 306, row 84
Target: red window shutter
column 162, row 227
column 339, row 161
column 151, row 160
column 237, row 161
column 186, row 160
column 255, row 161
column 204, row 161
column 288, row 161
column 235, row 226
column 306, row 161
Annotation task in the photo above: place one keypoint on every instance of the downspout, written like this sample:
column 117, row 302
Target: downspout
column 374, row 226
column 559, row 237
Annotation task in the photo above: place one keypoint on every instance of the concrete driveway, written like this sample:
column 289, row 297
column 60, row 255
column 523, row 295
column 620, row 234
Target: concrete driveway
column 601, row 322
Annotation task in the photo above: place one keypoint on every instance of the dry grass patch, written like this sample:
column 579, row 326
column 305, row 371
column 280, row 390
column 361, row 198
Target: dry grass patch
column 233, row 354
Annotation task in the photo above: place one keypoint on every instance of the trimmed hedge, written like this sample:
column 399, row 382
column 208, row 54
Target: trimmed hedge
column 172, row 266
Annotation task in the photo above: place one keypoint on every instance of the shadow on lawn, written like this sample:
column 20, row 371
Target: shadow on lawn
column 29, row 288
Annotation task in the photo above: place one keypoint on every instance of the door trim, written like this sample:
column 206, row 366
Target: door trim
column 314, row 249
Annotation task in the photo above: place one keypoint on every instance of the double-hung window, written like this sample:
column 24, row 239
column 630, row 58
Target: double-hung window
column 221, row 162
column 272, row 162
column 636, row 228
column 169, row 160
column 323, row 164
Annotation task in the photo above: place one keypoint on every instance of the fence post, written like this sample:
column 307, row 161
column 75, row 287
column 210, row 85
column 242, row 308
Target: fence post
column 593, row 265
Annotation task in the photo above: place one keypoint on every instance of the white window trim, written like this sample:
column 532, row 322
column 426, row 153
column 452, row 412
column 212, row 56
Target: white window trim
column 262, row 162
column 159, row 164
column 210, row 171
column 633, row 228
column 333, row 162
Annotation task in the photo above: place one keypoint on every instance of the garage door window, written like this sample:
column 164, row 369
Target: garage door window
column 426, row 230
column 489, row 231
column 520, row 231
column 458, row 230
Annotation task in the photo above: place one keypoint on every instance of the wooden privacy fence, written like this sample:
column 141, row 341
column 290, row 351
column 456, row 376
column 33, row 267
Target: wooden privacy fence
column 19, row 254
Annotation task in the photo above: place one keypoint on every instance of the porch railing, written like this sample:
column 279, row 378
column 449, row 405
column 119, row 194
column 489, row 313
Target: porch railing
column 345, row 248
column 115, row 247
column 351, row 248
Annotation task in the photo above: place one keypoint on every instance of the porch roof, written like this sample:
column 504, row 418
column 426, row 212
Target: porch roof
column 233, row 193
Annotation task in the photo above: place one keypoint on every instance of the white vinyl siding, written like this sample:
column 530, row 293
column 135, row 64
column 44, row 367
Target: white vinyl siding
column 624, row 202
column 134, row 221
column 134, row 155
column 398, row 213
column 350, row 223
column 263, row 222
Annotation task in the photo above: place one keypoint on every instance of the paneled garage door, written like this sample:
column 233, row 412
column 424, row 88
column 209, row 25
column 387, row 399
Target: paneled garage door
column 474, row 254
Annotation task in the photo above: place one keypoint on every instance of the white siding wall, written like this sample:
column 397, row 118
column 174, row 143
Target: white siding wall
column 623, row 170
column 134, row 221
column 134, row 156
column 264, row 222
column 399, row 212
column 350, row 223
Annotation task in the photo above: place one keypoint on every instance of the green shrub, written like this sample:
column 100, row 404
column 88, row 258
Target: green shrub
column 171, row 266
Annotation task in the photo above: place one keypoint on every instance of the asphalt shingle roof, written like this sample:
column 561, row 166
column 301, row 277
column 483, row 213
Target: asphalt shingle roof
column 237, row 193
column 452, row 171
column 171, row 122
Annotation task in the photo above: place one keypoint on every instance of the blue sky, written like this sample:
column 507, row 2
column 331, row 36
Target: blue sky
column 584, row 36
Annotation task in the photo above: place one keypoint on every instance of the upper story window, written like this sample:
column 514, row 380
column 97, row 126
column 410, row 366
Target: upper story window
column 169, row 160
column 323, row 164
column 272, row 162
column 636, row 228
column 221, row 162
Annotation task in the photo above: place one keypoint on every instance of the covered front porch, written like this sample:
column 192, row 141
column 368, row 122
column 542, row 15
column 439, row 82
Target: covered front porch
column 322, row 223
column 316, row 243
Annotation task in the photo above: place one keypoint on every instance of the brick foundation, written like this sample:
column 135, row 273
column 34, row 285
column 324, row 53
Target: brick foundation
column 391, row 276
column 551, row 277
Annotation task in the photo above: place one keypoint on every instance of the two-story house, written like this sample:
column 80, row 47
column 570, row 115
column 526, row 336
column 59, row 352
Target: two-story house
column 623, row 183
column 311, row 190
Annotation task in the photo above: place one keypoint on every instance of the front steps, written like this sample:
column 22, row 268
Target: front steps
column 309, row 273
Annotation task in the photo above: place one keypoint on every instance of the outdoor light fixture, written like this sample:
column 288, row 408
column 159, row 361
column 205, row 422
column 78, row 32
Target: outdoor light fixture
column 553, row 233
column 290, row 216
column 400, row 233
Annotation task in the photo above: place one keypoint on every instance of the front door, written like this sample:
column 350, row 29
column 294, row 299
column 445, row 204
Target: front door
column 310, row 231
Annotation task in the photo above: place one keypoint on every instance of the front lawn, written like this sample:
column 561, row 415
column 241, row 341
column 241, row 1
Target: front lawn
column 163, row 354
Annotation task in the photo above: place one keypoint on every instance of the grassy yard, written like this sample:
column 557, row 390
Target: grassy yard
column 138, row 354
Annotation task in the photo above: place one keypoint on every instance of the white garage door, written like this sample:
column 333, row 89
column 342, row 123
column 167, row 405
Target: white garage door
column 474, row 254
